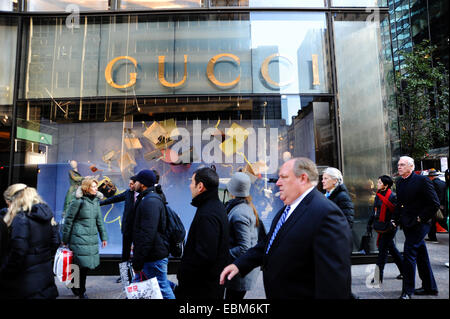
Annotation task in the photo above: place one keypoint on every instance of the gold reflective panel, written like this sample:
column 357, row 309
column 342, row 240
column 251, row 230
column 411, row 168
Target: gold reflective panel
column 315, row 68
column 212, row 77
column 265, row 70
column 162, row 78
column 108, row 73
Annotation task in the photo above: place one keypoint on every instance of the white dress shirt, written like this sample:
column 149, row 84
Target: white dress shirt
column 296, row 202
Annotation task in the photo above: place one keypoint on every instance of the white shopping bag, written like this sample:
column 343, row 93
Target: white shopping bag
column 147, row 289
column 126, row 273
column 62, row 264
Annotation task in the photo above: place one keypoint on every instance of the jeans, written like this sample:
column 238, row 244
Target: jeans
column 158, row 269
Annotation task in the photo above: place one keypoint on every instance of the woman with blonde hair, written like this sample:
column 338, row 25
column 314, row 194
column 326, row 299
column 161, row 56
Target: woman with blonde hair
column 82, row 225
column 33, row 241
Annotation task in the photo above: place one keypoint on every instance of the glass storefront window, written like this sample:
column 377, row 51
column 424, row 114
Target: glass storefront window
column 269, row 3
column 116, row 138
column 8, row 5
column 67, row 5
column 158, row 4
column 154, row 55
column 359, row 3
column 8, row 34
column 292, row 52
column 362, row 107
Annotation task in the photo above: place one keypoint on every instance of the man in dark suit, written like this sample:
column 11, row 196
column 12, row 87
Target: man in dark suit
column 308, row 248
column 129, row 196
column 206, row 250
column 417, row 202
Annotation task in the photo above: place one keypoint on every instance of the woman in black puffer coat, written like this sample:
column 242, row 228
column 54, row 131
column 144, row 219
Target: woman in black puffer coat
column 34, row 239
column 333, row 183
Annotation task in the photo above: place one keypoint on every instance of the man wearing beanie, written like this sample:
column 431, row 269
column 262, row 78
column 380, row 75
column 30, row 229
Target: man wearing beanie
column 151, row 250
column 206, row 250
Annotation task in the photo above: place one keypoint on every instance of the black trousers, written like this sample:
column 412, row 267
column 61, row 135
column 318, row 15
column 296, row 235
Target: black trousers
column 126, row 247
column 82, row 288
column 234, row 294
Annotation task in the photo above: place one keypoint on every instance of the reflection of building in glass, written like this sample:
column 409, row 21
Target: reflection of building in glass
column 312, row 50
column 107, row 94
column 414, row 21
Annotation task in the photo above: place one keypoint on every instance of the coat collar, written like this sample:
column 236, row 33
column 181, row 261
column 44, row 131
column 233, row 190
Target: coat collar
column 200, row 199
column 79, row 194
column 295, row 216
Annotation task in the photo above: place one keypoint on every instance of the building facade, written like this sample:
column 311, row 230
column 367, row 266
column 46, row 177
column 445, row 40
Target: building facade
column 412, row 21
column 119, row 86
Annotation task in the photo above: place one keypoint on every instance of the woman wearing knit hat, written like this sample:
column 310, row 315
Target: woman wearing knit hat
column 243, row 220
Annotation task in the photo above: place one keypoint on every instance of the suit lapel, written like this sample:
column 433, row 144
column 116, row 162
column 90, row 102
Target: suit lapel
column 296, row 215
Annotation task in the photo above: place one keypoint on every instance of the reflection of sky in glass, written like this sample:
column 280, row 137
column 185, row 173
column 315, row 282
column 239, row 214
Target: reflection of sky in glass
column 356, row 3
column 159, row 4
column 288, row 33
column 58, row 5
column 284, row 29
column 6, row 5
column 286, row 3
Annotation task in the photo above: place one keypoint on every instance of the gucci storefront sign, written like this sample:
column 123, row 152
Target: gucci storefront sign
column 229, row 57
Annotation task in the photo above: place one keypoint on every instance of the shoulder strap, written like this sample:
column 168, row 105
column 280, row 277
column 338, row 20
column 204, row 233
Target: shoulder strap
column 155, row 195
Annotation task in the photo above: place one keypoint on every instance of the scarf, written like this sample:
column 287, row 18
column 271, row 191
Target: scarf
column 386, row 204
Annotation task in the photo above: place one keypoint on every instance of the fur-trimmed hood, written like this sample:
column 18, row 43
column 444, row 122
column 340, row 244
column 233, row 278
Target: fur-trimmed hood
column 79, row 194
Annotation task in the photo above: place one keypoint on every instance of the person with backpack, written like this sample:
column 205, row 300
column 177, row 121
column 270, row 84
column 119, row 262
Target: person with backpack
column 151, row 247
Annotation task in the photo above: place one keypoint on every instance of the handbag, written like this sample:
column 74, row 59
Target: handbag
column 147, row 289
column 439, row 215
column 383, row 227
column 62, row 264
column 107, row 187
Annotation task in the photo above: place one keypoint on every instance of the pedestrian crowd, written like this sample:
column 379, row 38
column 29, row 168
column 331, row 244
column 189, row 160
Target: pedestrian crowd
column 306, row 252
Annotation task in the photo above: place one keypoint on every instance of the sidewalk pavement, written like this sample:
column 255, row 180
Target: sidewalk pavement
column 105, row 287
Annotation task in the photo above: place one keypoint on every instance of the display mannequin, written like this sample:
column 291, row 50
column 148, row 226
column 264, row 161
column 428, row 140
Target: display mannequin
column 75, row 180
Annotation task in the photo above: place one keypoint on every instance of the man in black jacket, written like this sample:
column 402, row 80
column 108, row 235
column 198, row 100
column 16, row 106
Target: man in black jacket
column 307, row 253
column 417, row 202
column 206, row 251
column 151, row 249
column 129, row 196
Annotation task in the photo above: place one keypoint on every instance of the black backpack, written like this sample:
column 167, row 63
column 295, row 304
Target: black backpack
column 175, row 232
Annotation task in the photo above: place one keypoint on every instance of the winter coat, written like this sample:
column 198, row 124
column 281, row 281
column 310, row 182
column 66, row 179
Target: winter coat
column 33, row 243
column 243, row 236
column 375, row 215
column 206, row 251
column 82, row 225
column 341, row 198
column 128, row 210
column 149, row 225
column 4, row 239
column 416, row 197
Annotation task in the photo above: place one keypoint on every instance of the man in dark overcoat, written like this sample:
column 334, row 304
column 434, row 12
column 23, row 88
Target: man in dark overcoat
column 417, row 202
column 307, row 251
column 206, row 252
column 129, row 196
